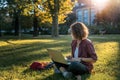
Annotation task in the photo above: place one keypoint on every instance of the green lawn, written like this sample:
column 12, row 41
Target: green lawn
column 17, row 55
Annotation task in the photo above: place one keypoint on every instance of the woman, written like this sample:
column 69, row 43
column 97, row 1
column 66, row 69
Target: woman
column 83, row 53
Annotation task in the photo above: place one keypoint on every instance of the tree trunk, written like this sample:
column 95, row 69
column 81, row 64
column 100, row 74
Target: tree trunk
column 55, row 31
column 0, row 25
column 0, row 31
column 16, row 24
column 35, row 27
column 16, row 27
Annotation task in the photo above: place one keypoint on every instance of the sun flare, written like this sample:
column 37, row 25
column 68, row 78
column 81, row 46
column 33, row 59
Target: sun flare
column 100, row 4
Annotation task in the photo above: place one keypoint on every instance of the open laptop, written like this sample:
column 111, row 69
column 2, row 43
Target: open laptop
column 57, row 56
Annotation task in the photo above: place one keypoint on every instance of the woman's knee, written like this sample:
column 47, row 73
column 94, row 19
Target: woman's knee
column 73, row 65
column 76, row 66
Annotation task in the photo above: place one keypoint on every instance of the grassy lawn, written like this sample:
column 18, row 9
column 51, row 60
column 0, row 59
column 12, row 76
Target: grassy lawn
column 16, row 55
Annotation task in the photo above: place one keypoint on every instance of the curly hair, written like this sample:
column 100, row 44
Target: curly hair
column 79, row 30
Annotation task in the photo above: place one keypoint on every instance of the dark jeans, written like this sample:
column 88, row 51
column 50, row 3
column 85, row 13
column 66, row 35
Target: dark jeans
column 76, row 68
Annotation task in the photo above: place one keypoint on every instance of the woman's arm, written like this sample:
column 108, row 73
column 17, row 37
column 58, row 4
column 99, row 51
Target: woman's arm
column 88, row 60
column 84, row 59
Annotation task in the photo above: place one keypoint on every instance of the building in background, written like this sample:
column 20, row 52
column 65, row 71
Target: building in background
column 85, row 12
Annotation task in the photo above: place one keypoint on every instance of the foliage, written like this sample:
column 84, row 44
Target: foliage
column 2, row 16
column 64, row 7
column 104, row 27
column 57, row 10
column 15, row 10
column 63, row 29
column 30, row 13
column 71, row 18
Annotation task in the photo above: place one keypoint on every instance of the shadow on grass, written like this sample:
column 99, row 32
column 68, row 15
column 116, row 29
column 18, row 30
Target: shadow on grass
column 23, row 54
column 60, row 77
column 57, row 77
column 26, row 37
column 53, row 76
column 50, row 77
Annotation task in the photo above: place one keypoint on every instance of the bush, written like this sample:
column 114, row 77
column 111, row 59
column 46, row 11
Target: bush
column 107, row 28
column 63, row 29
column 94, row 29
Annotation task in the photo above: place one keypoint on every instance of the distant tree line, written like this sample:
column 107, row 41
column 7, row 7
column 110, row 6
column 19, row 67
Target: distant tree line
column 24, row 14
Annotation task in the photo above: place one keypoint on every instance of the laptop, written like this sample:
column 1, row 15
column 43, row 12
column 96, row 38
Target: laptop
column 57, row 56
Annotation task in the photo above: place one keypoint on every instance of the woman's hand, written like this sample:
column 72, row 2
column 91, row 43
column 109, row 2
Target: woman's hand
column 76, row 59
column 69, row 57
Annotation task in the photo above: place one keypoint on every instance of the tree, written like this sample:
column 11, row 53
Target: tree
column 1, row 22
column 2, row 14
column 71, row 18
column 16, row 8
column 34, row 8
column 56, row 8
column 0, row 25
column 35, row 19
column 20, row 9
column 52, row 11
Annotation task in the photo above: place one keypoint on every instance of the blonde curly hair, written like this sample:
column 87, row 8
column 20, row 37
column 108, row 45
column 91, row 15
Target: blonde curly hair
column 79, row 30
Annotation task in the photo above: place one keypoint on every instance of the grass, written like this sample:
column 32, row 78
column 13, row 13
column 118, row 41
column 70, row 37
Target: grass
column 16, row 55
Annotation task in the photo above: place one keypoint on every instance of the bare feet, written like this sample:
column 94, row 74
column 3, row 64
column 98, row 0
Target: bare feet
column 78, row 77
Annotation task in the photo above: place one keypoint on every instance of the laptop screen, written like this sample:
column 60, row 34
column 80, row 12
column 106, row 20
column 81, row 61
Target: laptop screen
column 57, row 56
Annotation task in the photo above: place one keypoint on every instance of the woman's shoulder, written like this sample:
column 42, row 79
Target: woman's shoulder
column 87, row 41
column 74, row 41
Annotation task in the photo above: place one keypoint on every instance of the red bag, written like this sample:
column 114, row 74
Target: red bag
column 36, row 66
